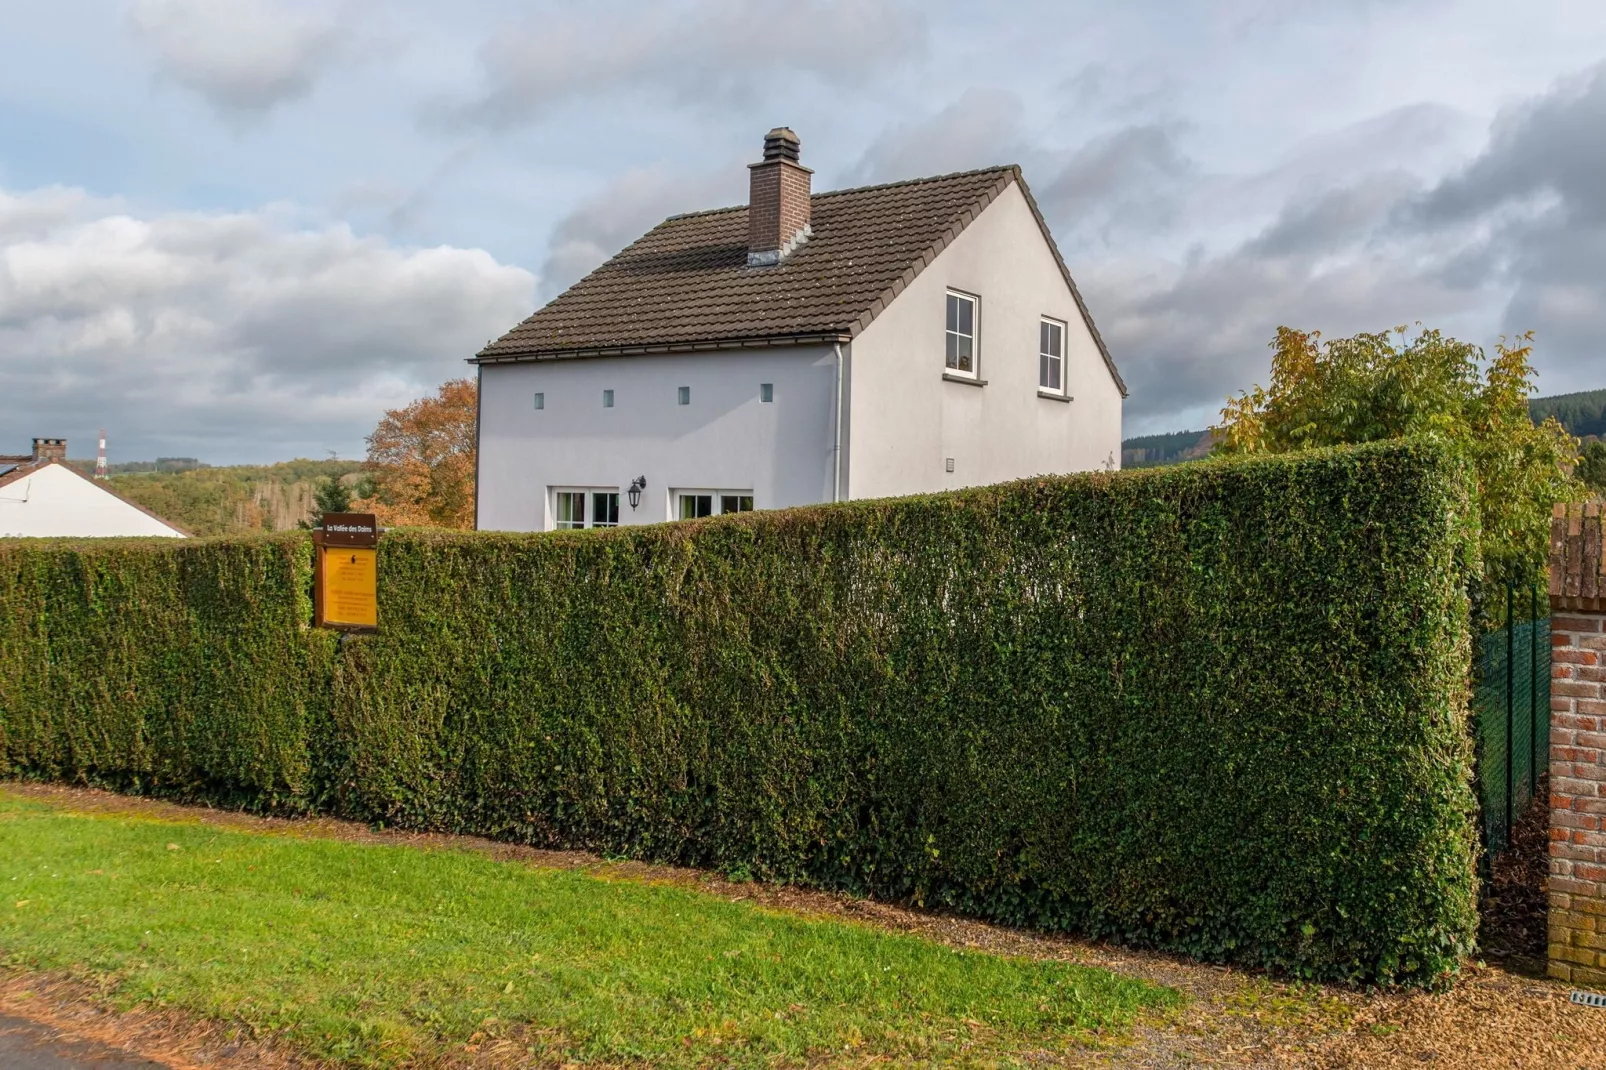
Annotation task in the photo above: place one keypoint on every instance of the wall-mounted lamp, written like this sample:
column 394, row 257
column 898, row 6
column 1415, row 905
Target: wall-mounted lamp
column 637, row 485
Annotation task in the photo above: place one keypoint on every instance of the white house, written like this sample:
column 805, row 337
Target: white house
column 42, row 495
column 898, row 339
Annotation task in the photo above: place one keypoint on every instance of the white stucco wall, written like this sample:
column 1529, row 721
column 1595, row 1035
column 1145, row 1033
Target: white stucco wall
column 906, row 420
column 726, row 439
column 55, row 502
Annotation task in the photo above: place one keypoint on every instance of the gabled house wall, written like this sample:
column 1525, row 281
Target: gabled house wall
column 907, row 420
column 725, row 439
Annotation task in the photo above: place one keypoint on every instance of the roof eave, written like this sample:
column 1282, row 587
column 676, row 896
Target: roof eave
column 494, row 355
column 1076, row 294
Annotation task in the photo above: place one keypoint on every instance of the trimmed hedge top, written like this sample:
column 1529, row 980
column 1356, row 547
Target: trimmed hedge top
column 1218, row 708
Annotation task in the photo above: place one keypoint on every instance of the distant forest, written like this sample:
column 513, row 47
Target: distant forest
column 1147, row 451
column 228, row 500
column 1583, row 415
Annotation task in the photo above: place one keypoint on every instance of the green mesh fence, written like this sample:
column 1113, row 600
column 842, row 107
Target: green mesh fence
column 1511, row 703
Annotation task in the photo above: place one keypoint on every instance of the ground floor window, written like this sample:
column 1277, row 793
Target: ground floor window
column 574, row 509
column 691, row 504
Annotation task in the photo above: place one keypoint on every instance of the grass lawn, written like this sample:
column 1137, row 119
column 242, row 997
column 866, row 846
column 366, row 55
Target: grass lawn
column 382, row 955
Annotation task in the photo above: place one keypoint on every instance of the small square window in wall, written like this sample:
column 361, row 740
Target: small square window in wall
column 766, row 392
column 540, row 401
column 607, row 399
column 685, row 395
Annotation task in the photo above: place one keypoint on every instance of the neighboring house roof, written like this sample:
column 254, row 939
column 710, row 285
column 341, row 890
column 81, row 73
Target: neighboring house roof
column 686, row 284
column 33, row 467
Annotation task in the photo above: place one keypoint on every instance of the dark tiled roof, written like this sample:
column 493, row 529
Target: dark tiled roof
column 685, row 284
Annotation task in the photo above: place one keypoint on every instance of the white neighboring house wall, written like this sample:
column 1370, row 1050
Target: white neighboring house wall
column 726, row 438
column 55, row 501
column 906, row 420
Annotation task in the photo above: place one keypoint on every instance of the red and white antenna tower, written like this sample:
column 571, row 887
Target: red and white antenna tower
column 100, row 458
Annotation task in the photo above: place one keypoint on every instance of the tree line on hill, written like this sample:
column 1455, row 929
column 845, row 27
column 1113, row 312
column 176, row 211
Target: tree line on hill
column 235, row 499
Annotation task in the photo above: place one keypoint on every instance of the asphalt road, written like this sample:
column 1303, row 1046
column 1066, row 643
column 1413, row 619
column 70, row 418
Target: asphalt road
column 26, row 1045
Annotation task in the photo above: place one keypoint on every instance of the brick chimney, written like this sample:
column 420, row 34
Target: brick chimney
column 778, row 205
column 49, row 449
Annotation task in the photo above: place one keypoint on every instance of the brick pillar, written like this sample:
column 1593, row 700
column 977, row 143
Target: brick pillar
column 1577, row 746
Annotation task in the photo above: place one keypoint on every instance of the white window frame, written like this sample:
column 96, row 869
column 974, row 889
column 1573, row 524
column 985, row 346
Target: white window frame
column 1046, row 360
column 717, row 505
column 974, row 371
column 588, row 503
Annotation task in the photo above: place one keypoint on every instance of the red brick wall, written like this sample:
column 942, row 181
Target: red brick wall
column 1577, row 747
column 777, row 204
column 1578, row 798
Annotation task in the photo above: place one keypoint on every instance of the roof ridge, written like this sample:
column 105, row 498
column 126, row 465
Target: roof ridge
column 702, row 212
column 997, row 169
column 586, row 327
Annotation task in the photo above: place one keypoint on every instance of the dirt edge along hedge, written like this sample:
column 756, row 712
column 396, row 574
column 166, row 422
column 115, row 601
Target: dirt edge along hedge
column 1217, row 708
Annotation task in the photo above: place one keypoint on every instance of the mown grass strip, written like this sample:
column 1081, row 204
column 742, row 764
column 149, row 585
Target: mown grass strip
column 379, row 955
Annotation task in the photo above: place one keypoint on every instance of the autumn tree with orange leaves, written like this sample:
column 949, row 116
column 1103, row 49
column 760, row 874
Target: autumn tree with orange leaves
column 421, row 461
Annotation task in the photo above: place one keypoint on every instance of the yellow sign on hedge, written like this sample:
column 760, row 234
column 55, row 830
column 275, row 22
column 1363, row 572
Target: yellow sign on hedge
column 350, row 587
column 345, row 574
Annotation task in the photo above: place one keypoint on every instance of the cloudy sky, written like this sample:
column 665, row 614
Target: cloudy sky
column 240, row 229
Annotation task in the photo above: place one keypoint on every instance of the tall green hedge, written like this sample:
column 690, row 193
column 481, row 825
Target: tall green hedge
column 155, row 665
column 1217, row 708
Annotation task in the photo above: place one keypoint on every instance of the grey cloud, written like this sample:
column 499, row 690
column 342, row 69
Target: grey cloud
column 1553, row 145
column 1126, row 92
column 1195, row 332
column 245, row 332
column 243, row 57
column 983, row 127
column 1352, row 238
column 1335, row 218
column 1531, row 209
column 692, row 51
column 1130, row 180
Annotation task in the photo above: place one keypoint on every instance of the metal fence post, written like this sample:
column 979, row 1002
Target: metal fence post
column 1533, row 694
column 1511, row 808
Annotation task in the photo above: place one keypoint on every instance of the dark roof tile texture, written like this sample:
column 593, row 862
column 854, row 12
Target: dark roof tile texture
column 685, row 284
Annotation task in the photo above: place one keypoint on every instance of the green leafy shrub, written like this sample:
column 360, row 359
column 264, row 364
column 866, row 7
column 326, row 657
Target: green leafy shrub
column 1217, row 708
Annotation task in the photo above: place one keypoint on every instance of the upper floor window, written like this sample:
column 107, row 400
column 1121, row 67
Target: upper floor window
column 1051, row 356
column 961, row 333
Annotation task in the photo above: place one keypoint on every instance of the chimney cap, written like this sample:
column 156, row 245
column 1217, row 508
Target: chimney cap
column 782, row 144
